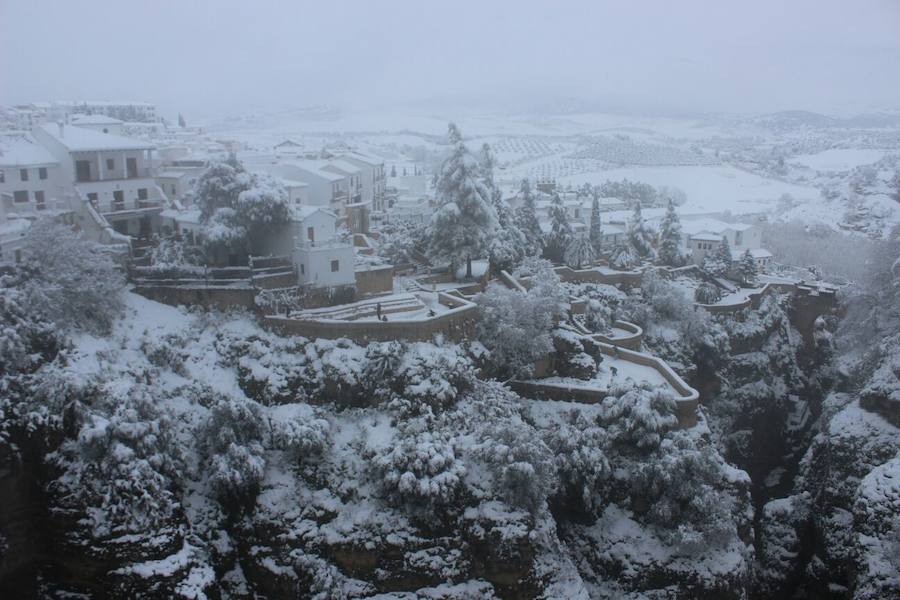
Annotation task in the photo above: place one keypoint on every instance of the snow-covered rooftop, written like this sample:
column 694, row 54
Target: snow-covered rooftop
column 95, row 120
column 737, row 253
column 182, row 216
column 21, row 149
column 79, row 139
column 706, row 224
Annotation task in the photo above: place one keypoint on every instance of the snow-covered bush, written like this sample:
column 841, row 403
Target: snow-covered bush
column 431, row 378
column 707, row 293
column 515, row 327
column 421, row 470
column 579, row 252
column 400, row 239
column 686, row 492
column 780, row 544
column 624, row 257
column 70, row 280
column 27, row 340
column 522, row 464
column 165, row 352
column 301, row 431
column 575, row 354
column 638, row 414
column 598, row 316
column 121, row 469
column 231, row 441
column 174, row 252
column 579, row 446
column 381, row 374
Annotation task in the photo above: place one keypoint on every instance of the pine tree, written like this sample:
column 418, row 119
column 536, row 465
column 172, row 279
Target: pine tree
column 526, row 219
column 465, row 222
column 718, row 262
column 579, row 252
column 639, row 234
column 747, row 269
column 669, row 240
column 509, row 245
column 596, row 232
column 560, row 235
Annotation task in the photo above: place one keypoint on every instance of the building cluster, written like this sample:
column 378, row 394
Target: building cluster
column 704, row 236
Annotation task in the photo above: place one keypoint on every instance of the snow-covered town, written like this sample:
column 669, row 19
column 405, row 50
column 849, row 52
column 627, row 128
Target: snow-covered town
column 256, row 347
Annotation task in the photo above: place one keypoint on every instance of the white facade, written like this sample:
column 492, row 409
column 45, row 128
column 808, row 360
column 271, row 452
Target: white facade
column 100, row 123
column 704, row 236
column 30, row 177
column 321, row 259
column 373, row 178
column 111, row 173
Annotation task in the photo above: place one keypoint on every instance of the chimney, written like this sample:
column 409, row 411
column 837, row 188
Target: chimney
column 62, row 131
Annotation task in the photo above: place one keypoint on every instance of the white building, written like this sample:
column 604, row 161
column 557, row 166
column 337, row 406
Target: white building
column 110, row 173
column 702, row 236
column 100, row 123
column 320, row 257
column 373, row 178
column 124, row 110
column 30, row 177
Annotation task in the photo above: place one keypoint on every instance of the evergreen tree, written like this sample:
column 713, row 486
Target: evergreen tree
column 579, row 252
column 747, row 269
column 526, row 219
column 596, row 232
column 508, row 247
column 669, row 240
column 181, row 121
column 560, row 235
column 639, row 234
column 718, row 262
column 465, row 222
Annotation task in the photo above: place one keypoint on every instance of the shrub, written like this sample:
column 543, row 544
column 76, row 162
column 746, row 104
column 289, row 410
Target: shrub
column 578, row 446
column 707, row 293
column 638, row 414
column 231, row 441
column 303, row 432
column 421, row 470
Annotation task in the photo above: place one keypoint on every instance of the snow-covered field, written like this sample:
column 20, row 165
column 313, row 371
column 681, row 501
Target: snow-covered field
column 838, row 159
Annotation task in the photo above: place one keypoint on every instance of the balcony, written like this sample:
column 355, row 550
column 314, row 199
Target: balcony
column 114, row 175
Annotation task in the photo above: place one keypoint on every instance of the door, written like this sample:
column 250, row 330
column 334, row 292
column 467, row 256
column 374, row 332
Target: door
column 118, row 200
column 131, row 167
column 82, row 170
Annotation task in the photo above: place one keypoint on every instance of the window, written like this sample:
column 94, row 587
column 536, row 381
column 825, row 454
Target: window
column 2, row 176
column 118, row 200
column 39, row 199
column 335, row 266
column 738, row 238
column 23, row 174
column 20, row 197
column 311, row 234
column 82, row 170
column 302, row 269
column 42, row 173
column 92, row 197
column 142, row 193
column 110, row 164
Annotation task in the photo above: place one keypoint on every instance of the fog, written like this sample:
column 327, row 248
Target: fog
column 660, row 56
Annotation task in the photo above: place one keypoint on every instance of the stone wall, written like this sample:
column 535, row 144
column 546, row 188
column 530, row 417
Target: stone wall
column 374, row 280
column 222, row 298
column 630, row 342
column 687, row 399
column 457, row 325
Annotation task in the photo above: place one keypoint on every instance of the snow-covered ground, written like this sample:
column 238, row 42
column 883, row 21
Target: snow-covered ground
column 839, row 159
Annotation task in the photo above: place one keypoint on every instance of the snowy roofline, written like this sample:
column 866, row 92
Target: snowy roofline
column 80, row 139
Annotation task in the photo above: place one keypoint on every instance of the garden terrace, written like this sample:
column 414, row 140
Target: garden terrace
column 618, row 365
column 412, row 317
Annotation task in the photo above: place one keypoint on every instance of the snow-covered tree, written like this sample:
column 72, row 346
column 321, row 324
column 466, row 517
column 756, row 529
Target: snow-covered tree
column 560, row 235
column 596, row 231
column 579, row 252
column 181, row 122
column 639, row 234
column 579, row 447
column 465, row 222
column 638, row 414
column 669, row 240
column 707, row 293
column 509, row 246
column 718, row 262
column 624, row 256
column 70, row 280
column 746, row 269
column 422, row 470
column 219, row 186
column 523, row 467
column 231, row 441
column 121, row 468
column 527, row 221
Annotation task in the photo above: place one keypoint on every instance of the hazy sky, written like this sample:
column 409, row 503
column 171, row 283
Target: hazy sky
column 224, row 55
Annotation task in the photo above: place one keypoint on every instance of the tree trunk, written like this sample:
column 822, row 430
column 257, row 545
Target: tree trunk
column 469, row 267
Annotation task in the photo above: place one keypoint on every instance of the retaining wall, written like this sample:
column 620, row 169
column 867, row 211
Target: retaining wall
column 687, row 399
column 207, row 296
column 375, row 280
column 457, row 325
